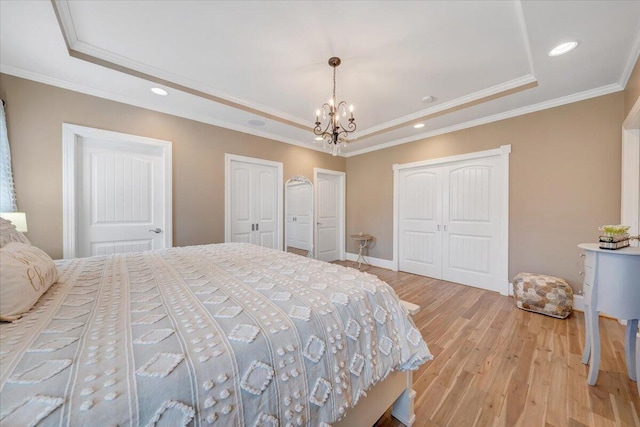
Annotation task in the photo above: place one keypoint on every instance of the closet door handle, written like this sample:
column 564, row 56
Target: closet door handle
column 253, row 227
column 257, row 227
column 445, row 227
column 438, row 227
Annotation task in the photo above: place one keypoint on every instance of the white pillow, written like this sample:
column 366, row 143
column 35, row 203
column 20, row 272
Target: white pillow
column 26, row 273
column 8, row 234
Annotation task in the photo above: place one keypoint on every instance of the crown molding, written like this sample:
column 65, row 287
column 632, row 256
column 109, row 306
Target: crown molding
column 525, row 34
column 88, row 90
column 102, row 57
column 557, row 102
column 65, row 21
column 632, row 58
column 484, row 95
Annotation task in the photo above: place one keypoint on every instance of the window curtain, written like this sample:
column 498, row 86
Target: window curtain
column 7, row 190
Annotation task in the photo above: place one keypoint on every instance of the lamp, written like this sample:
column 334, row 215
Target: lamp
column 335, row 132
column 18, row 219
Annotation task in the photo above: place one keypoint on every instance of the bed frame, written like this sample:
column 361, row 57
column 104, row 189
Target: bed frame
column 396, row 390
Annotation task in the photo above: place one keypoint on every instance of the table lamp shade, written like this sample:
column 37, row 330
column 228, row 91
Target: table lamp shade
column 19, row 219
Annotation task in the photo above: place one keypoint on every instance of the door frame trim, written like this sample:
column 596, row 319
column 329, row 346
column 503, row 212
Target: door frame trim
column 228, row 158
column 630, row 192
column 342, row 203
column 70, row 135
column 503, row 209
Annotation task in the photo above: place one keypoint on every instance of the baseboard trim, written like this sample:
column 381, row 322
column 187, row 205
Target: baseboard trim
column 376, row 262
column 578, row 303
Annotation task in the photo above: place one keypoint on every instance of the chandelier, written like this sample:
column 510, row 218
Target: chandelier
column 334, row 132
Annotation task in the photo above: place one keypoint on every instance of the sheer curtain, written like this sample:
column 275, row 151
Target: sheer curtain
column 7, row 190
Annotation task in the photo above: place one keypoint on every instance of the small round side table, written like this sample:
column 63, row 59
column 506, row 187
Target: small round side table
column 363, row 241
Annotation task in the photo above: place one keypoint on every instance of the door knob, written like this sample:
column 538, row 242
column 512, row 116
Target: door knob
column 156, row 230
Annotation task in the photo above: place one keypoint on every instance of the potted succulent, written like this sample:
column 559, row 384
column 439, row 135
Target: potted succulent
column 615, row 230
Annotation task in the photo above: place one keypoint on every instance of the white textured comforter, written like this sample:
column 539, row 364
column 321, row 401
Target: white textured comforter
column 229, row 335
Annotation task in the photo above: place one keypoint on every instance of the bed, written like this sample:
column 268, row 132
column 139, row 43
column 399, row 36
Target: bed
column 227, row 334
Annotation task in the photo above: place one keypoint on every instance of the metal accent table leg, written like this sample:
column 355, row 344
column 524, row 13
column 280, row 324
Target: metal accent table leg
column 363, row 245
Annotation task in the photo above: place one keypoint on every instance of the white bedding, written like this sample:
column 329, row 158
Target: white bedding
column 228, row 334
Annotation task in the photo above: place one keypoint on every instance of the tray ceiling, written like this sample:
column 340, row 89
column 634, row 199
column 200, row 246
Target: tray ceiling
column 231, row 63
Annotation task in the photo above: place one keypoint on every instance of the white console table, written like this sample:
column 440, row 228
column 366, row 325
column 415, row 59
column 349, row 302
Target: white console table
column 611, row 286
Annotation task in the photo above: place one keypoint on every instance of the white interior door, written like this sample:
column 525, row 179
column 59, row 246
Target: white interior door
column 471, row 223
column 329, row 236
column 253, row 199
column 420, row 223
column 120, row 197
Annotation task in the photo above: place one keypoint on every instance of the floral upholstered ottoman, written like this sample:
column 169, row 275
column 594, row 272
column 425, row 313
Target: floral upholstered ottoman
column 543, row 294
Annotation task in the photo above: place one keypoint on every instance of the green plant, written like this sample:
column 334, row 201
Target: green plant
column 615, row 230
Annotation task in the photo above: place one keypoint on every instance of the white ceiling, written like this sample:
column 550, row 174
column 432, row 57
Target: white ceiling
column 227, row 63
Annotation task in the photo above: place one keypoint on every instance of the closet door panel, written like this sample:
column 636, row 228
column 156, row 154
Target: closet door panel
column 265, row 211
column 241, row 202
column 420, row 217
column 470, row 202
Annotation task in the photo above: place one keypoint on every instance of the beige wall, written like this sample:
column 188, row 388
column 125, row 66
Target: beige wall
column 564, row 182
column 632, row 90
column 35, row 113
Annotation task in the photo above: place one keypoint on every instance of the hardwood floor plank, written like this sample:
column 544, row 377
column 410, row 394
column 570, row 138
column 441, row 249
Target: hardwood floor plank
column 557, row 404
column 469, row 408
column 452, row 399
column 496, row 365
column 516, row 401
column 623, row 411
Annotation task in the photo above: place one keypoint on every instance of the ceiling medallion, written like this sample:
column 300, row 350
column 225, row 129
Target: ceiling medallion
column 334, row 132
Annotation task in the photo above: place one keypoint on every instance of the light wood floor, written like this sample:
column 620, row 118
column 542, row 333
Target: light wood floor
column 297, row 251
column 496, row 365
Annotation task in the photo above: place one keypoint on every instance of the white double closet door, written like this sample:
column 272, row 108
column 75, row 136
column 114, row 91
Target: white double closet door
column 254, row 197
column 449, row 221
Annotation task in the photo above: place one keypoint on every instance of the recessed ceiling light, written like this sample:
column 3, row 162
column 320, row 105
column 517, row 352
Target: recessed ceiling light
column 563, row 48
column 428, row 99
column 318, row 138
column 256, row 122
column 418, row 126
column 159, row 91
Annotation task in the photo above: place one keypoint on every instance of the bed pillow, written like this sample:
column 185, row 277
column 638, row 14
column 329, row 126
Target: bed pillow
column 8, row 234
column 26, row 273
